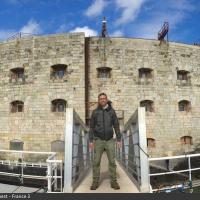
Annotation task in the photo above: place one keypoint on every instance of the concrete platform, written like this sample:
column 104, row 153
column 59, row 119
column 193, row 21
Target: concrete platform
column 6, row 188
column 126, row 185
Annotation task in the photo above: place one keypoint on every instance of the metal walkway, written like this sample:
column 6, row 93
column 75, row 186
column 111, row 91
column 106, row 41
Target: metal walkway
column 126, row 185
column 132, row 160
column 7, row 188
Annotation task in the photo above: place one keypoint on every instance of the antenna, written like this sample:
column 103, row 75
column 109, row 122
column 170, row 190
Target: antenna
column 104, row 32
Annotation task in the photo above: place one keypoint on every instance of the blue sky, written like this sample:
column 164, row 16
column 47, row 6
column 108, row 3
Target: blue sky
column 127, row 18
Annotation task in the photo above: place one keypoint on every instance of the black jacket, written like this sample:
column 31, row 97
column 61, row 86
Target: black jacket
column 102, row 123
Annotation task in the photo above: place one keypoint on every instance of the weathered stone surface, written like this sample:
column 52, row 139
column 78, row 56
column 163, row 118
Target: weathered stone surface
column 37, row 126
column 125, row 56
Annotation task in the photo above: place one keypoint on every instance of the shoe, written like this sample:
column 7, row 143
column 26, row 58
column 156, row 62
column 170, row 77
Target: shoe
column 115, row 185
column 94, row 185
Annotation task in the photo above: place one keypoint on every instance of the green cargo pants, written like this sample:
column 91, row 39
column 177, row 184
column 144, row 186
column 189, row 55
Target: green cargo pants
column 99, row 146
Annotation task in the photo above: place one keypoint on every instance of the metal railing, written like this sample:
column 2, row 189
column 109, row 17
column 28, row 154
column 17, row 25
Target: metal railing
column 133, row 155
column 17, row 159
column 20, row 35
column 77, row 154
column 189, row 169
column 53, row 166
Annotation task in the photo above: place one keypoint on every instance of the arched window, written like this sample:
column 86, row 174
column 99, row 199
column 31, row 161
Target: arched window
column 58, row 105
column 58, row 71
column 58, row 146
column 17, row 74
column 104, row 72
column 16, row 145
column 145, row 73
column 183, row 75
column 184, row 105
column 186, row 140
column 17, row 106
column 151, row 142
column 148, row 104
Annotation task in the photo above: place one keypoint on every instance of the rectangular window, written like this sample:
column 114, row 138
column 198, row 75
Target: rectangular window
column 183, row 75
column 16, row 145
column 104, row 72
column 145, row 73
column 58, row 71
column 17, row 75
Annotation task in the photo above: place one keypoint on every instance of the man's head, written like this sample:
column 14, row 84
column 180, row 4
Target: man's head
column 102, row 99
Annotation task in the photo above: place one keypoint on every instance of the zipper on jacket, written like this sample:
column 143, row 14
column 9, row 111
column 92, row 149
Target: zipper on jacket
column 104, row 125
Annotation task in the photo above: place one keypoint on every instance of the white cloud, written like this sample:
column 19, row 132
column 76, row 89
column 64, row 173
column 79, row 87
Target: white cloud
column 150, row 28
column 117, row 33
column 96, row 8
column 62, row 28
column 183, row 5
column 130, row 10
column 86, row 30
column 172, row 11
column 65, row 27
column 32, row 27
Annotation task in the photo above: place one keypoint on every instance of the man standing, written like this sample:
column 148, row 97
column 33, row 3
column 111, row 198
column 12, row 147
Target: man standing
column 103, row 120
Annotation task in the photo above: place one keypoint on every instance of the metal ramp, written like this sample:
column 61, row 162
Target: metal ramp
column 132, row 158
column 126, row 185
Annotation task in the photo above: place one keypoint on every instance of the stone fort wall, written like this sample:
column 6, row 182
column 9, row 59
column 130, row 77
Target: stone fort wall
column 37, row 126
column 125, row 56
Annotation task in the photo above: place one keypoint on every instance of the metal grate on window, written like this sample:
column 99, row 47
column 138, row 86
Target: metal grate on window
column 104, row 72
column 16, row 145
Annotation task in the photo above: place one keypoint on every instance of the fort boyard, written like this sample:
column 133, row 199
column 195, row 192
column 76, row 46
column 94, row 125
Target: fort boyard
column 41, row 76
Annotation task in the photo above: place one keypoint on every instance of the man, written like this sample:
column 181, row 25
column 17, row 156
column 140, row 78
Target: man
column 103, row 120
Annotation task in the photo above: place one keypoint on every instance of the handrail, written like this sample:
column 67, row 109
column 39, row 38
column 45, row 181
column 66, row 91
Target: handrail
column 77, row 154
column 26, row 152
column 52, row 166
column 133, row 155
column 169, row 172
column 20, row 35
column 175, row 157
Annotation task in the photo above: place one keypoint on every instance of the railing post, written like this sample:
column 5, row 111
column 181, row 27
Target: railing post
column 144, row 163
column 136, row 152
column 120, row 150
column 61, row 175
column 22, row 169
column 75, row 151
column 55, row 178
column 126, row 149
column 68, row 150
column 189, row 167
column 85, row 148
column 49, row 176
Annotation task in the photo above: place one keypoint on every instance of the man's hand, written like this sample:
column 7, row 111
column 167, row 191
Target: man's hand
column 119, row 144
column 91, row 145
